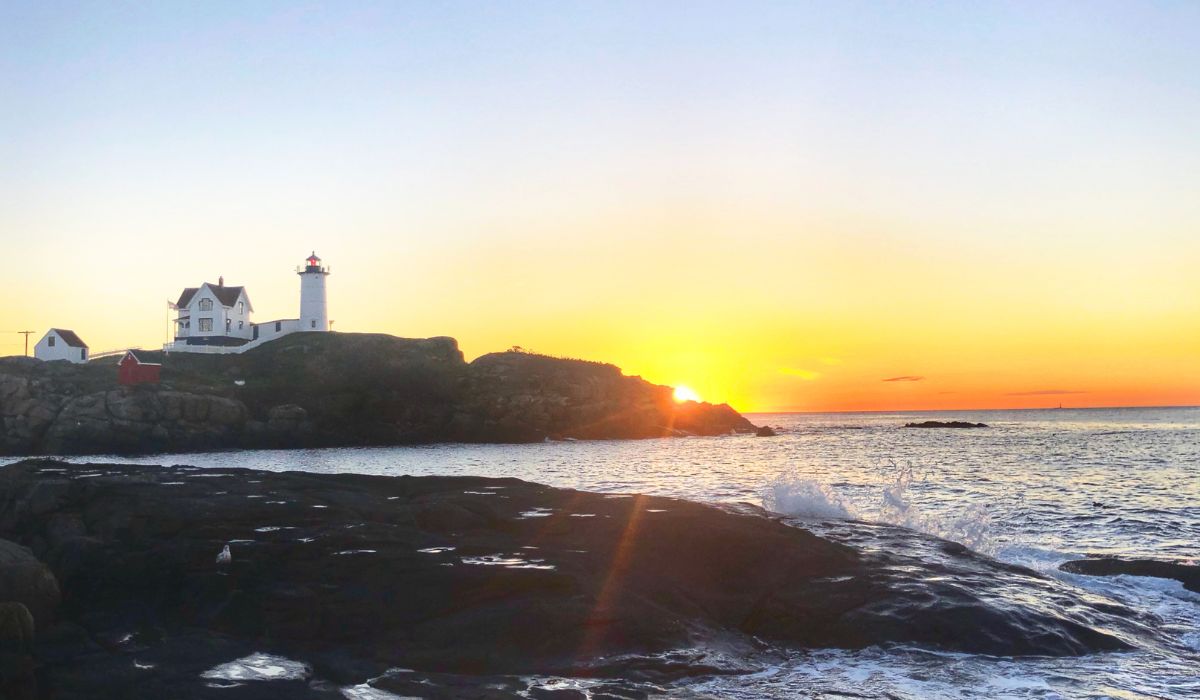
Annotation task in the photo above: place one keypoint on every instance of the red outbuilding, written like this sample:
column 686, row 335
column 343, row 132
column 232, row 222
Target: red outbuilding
column 133, row 369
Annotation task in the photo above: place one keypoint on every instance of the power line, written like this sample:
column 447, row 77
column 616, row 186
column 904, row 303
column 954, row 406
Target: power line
column 26, row 334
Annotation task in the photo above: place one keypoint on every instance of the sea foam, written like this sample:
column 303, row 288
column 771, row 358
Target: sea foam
column 796, row 496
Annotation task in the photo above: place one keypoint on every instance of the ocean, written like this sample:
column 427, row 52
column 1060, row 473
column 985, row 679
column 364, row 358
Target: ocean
column 1035, row 488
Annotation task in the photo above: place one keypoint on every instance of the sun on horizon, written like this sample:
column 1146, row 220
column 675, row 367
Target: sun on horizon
column 685, row 393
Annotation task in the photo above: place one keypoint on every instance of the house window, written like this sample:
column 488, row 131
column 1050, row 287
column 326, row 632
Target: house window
column 239, row 325
column 228, row 323
column 206, row 325
column 205, row 305
column 314, row 323
column 51, row 343
column 241, row 307
column 278, row 326
column 83, row 353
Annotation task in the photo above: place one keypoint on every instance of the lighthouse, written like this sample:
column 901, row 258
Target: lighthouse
column 314, row 316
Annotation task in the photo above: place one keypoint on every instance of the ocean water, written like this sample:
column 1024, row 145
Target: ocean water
column 1036, row 488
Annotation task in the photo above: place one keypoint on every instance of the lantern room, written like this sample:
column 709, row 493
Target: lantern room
column 313, row 263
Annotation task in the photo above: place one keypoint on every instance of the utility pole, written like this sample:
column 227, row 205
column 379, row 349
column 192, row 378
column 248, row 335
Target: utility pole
column 26, row 334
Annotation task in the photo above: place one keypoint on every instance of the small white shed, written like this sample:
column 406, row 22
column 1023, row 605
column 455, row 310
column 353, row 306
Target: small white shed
column 61, row 344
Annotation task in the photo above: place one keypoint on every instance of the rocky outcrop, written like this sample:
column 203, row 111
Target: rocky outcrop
column 353, row 575
column 1187, row 574
column 326, row 389
column 945, row 424
column 144, row 419
column 29, row 402
column 531, row 396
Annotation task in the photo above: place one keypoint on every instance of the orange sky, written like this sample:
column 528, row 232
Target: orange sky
column 811, row 320
column 987, row 204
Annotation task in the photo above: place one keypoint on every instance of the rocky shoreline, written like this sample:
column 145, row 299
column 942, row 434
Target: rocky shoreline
column 478, row 586
column 337, row 390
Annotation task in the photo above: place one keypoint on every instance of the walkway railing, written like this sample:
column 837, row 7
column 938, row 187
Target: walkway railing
column 110, row 353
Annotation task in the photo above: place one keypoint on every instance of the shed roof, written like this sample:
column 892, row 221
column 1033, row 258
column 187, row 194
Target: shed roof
column 69, row 337
column 142, row 357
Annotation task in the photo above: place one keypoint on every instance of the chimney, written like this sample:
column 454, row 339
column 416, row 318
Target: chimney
column 221, row 281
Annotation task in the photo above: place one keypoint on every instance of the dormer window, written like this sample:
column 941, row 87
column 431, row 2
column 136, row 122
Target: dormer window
column 206, row 304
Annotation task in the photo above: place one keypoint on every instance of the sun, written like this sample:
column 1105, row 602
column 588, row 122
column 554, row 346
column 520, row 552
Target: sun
column 684, row 393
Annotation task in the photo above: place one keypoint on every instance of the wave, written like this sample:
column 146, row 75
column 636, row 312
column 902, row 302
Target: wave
column 806, row 498
column 796, row 496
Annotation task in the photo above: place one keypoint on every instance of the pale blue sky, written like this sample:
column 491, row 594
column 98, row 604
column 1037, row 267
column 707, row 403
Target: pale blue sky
column 457, row 149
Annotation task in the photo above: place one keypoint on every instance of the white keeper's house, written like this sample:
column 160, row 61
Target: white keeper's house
column 215, row 318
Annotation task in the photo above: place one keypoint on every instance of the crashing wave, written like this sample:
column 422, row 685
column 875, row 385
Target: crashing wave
column 795, row 496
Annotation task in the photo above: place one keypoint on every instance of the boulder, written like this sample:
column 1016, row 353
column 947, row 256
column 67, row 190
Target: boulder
column 16, row 628
column 28, row 582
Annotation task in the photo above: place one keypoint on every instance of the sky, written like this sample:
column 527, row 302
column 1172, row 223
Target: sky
column 784, row 206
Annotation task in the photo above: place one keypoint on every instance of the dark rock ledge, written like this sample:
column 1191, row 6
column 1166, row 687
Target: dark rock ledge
column 463, row 580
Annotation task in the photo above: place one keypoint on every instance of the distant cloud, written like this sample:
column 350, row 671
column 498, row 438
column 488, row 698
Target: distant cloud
column 805, row 374
column 905, row 378
column 1045, row 392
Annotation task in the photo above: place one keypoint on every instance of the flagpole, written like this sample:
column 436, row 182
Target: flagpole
column 167, row 341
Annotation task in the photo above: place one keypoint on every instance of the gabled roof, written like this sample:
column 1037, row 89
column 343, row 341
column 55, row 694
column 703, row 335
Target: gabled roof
column 228, row 296
column 142, row 357
column 69, row 337
column 185, row 297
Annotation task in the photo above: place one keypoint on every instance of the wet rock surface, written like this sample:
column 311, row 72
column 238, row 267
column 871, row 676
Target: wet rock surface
column 464, row 579
column 1187, row 574
column 336, row 389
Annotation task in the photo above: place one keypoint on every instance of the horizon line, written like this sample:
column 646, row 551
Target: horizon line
column 964, row 410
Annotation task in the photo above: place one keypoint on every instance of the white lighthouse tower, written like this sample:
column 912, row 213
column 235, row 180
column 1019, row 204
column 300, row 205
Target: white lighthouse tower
column 314, row 316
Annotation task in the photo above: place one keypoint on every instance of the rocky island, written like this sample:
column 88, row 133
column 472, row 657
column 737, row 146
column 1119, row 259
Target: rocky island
column 337, row 389
column 111, row 587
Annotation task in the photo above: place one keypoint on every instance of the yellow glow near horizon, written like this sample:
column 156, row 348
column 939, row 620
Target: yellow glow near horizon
column 683, row 393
